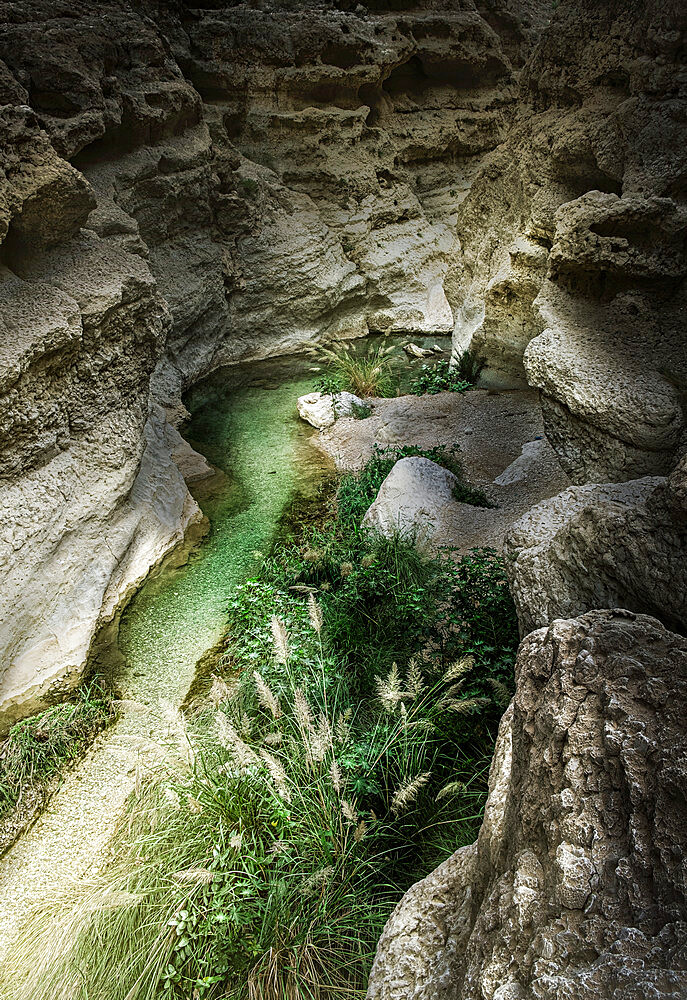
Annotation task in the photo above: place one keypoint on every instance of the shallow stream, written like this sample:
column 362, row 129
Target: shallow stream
column 244, row 421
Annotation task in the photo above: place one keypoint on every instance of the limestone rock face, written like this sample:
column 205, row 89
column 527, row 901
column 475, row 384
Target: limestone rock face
column 593, row 546
column 322, row 409
column 575, row 888
column 413, row 501
column 572, row 259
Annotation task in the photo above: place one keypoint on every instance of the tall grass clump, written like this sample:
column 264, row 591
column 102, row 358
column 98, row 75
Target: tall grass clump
column 39, row 748
column 348, row 757
column 349, row 370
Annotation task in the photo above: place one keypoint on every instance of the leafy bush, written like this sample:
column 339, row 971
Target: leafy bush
column 38, row 748
column 444, row 377
column 369, row 374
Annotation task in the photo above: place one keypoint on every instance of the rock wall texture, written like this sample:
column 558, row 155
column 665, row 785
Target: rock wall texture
column 576, row 886
column 187, row 187
column 183, row 187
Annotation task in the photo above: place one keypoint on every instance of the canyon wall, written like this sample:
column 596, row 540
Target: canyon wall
column 183, row 187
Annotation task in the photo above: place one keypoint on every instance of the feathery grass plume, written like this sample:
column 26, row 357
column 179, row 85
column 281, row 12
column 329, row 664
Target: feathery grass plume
column 459, row 669
column 312, row 555
column 228, row 738
column 337, row 777
column 465, row 706
column 280, row 846
column 502, row 693
column 414, row 679
column 317, row 879
column 408, row 792
column 172, row 797
column 315, row 614
column 349, row 811
column 235, row 840
column 321, row 741
column 302, row 712
column 367, row 561
column 389, row 689
column 273, row 739
column 453, row 788
column 277, row 774
column 280, row 639
column 326, row 585
column 266, row 696
column 194, row 806
column 246, row 724
column 199, row 876
column 219, row 691
column 342, row 729
column 345, row 569
column 360, row 831
column 177, row 728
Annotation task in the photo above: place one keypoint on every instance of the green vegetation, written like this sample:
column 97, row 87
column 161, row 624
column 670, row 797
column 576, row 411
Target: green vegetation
column 249, row 186
column 444, row 377
column 43, row 746
column 342, row 754
column 369, row 374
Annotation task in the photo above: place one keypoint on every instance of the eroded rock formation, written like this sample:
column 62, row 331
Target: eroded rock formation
column 575, row 888
column 184, row 187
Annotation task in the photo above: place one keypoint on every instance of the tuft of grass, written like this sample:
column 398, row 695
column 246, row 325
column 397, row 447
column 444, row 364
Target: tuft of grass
column 369, row 374
column 45, row 745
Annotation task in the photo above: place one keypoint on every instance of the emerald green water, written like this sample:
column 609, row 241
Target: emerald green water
column 244, row 421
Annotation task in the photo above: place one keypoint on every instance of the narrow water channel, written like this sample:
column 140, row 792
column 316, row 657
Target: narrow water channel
column 244, row 420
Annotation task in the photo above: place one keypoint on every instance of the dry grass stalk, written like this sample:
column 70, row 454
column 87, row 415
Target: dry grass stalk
column 315, row 614
column 408, row 792
column 266, row 696
column 277, row 774
column 349, row 811
column 241, row 753
column 389, row 691
column 199, row 876
column 337, row 777
column 280, row 639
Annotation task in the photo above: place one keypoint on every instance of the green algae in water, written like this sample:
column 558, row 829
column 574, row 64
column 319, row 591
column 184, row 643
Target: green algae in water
column 244, row 421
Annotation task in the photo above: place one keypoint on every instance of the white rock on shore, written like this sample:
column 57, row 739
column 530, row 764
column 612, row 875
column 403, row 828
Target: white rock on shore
column 324, row 409
column 412, row 501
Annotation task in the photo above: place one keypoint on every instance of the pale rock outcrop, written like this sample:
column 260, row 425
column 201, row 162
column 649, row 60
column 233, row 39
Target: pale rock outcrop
column 413, row 502
column 594, row 546
column 575, row 888
column 321, row 409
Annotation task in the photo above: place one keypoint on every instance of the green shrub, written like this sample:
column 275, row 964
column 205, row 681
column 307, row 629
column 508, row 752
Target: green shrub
column 444, row 377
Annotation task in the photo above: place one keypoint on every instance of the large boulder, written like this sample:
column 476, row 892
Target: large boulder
column 413, row 501
column 575, row 888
